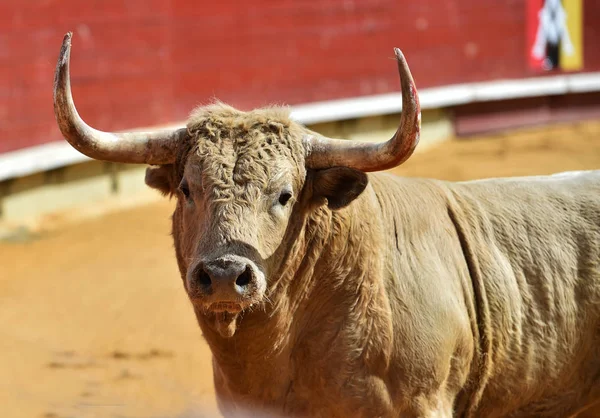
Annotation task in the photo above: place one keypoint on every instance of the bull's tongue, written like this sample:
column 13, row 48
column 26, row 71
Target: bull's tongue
column 226, row 323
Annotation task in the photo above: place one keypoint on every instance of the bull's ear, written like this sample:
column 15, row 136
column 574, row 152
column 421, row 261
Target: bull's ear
column 161, row 178
column 339, row 185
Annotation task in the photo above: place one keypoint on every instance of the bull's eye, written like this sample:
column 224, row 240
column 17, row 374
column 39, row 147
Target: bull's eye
column 184, row 189
column 284, row 198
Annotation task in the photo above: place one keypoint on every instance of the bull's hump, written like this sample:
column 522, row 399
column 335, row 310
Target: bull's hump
column 556, row 177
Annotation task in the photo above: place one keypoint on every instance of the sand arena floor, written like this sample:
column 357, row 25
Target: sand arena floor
column 94, row 321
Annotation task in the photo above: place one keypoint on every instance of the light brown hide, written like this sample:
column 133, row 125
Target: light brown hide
column 420, row 299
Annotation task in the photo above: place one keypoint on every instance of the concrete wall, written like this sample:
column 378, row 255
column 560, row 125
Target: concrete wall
column 44, row 201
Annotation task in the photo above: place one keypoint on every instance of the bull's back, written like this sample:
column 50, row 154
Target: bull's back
column 534, row 248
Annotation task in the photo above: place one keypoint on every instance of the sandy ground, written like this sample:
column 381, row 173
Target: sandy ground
column 94, row 321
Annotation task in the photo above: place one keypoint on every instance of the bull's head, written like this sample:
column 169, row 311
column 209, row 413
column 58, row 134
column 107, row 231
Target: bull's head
column 242, row 180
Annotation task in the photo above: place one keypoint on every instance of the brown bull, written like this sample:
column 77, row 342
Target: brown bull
column 326, row 292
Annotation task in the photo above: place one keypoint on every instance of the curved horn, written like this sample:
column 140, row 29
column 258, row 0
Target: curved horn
column 132, row 147
column 327, row 152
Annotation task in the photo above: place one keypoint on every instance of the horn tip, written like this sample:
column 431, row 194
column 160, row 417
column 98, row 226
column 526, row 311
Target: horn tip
column 399, row 54
column 67, row 39
column 62, row 63
column 66, row 47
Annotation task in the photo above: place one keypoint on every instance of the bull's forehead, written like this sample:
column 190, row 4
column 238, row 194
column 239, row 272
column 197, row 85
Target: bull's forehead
column 243, row 165
column 244, row 151
column 239, row 181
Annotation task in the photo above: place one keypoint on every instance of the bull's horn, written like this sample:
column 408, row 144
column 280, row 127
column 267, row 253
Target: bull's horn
column 133, row 147
column 327, row 152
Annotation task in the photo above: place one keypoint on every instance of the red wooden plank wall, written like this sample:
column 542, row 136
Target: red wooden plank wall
column 145, row 62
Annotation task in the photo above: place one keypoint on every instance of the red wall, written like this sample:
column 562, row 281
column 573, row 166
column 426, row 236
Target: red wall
column 145, row 62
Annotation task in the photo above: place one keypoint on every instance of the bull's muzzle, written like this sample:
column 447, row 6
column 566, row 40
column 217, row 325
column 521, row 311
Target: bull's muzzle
column 229, row 283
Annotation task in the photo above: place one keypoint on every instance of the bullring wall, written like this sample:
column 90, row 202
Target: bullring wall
column 149, row 62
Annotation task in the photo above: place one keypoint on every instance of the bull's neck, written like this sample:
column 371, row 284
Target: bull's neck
column 327, row 285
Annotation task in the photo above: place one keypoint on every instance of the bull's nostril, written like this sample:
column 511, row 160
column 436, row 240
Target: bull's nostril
column 244, row 278
column 204, row 278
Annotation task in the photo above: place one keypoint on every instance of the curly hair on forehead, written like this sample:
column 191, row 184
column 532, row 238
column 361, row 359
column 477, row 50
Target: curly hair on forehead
column 219, row 119
column 258, row 135
column 237, row 146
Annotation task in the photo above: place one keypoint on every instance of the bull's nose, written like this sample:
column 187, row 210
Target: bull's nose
column 229, row 278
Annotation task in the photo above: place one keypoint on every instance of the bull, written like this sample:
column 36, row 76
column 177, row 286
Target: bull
column 324, row 291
